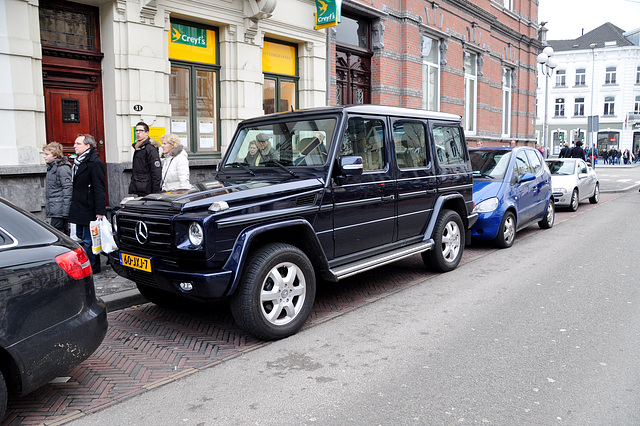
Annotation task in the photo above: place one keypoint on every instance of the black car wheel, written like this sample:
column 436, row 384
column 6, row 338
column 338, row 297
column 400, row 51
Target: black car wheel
column 596, row 195
column 549, row 216
column 449, row 238
column 276, row 292
column 575, row 200
column 507, row 232
column 3, row 397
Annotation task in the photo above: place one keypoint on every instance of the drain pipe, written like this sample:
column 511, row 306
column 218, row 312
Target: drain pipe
column 328, row 70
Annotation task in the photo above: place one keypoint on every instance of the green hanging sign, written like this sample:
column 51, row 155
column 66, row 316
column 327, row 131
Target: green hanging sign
column 327, row 13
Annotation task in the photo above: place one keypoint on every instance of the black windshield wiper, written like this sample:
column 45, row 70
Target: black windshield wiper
column 279, row 164
column 244, row 166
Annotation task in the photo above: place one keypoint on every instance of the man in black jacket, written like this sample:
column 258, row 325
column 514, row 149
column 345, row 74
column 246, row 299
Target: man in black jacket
column 577, row 151
column 146, row 172
column 88, row 198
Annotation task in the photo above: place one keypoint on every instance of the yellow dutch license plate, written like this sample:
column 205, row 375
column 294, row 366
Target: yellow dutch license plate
column 136, row 262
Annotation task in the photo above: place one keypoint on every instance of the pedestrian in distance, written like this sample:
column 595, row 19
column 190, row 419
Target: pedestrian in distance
column 578, row 152
column 565, row 151
column 58, row 186
column 89, row 191
column 146, row 171
column 175, row 164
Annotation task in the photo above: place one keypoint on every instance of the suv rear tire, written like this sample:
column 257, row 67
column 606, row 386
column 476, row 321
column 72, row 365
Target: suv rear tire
column 276, row 292
column 449, row 240
column 4, row 395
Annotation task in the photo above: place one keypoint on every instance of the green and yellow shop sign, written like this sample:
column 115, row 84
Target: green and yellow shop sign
column 192, row 44
column 327, row 13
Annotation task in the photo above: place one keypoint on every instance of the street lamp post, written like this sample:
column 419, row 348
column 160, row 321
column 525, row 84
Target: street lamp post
column 547, row 64
column 592, row 46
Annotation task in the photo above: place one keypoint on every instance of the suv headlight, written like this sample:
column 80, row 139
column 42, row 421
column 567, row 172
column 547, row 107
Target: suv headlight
column 196, row 235
column 486, row 206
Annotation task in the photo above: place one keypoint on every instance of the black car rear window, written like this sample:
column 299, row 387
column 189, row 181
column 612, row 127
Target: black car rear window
column 27, row 230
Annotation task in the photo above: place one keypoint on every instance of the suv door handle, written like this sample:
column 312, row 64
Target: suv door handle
column 432, row 191
column 388, row 198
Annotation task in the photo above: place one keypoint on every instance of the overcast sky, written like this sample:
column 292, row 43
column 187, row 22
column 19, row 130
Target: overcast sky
column 567, row 18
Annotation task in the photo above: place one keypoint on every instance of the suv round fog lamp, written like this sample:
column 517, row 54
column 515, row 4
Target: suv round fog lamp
column 196, row 235
column 186, row 286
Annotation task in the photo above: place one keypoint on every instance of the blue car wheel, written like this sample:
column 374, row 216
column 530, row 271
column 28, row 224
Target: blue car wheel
column 507, row 232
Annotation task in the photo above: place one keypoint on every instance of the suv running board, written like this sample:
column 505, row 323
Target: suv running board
column 345, row 271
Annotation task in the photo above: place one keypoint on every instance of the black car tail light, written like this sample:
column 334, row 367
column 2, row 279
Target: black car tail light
column 75, row 263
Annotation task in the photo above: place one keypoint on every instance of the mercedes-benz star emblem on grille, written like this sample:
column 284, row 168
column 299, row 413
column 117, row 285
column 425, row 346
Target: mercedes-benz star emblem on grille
column 142, row 232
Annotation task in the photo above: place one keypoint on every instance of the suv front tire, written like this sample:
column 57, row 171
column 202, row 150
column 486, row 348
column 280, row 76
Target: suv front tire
column 276, row 292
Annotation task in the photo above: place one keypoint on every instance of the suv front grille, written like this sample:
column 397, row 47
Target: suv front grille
column 159, row 241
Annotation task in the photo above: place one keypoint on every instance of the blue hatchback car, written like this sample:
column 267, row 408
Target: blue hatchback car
column 511, row 190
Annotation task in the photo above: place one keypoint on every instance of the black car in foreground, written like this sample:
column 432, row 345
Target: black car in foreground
column 50, row 318
column 299, row 198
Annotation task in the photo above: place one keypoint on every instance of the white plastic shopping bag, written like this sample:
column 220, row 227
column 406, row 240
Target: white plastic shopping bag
column 96, row 244
column 106, row 236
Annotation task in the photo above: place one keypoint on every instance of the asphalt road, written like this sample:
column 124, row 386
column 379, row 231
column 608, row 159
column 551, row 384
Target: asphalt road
column 545, row 332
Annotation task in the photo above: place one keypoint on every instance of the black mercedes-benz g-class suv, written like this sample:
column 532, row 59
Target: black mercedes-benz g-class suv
column 323, row 193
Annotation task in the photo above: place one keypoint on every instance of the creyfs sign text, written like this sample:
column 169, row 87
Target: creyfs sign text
column 191, row 36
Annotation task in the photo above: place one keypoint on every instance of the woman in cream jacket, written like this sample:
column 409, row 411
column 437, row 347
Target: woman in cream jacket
column 175, row 164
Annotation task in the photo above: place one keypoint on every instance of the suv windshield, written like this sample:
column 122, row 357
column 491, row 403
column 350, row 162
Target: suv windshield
column 489, row 164
column 290, row 143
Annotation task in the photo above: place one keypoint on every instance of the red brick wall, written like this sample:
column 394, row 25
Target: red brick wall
column 397, row 69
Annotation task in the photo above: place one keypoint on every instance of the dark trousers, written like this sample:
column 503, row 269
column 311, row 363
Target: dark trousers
column 60, row 223
column 84, row 233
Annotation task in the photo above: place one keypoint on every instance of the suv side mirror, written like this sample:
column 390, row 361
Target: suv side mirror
column 351, row 165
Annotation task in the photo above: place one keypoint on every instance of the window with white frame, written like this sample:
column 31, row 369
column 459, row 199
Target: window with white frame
column 470, row 91
column 638, row 75
column 610, row 76
column 609, row 104
column 507, row 76
column 508, row 4
column 430, row 74
column 581, row 77
column 561, row 78
column 578, row 109
column 559, row 111
column 636, row 106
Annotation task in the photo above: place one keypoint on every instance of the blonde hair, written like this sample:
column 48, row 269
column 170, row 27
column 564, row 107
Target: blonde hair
column 54, row 148
column 172, row 139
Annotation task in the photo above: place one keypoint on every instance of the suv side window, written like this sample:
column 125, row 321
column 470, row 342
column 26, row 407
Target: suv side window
column 365, row 138
column 534, row 161
column 448, row 145
column 409, row 138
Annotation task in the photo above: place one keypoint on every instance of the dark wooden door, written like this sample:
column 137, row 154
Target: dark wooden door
column 353, row 77
column 70, row 111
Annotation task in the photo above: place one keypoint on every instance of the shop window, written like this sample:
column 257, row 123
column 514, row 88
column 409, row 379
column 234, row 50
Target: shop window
column 581, row 77
column 68, row 26
column 280, row 68
column 610, row 76
column 507, row 76
column 578, row 109
column 193, row 87
column 559, row 107
column 430, row 74
column 470, row 91
column 609, row 105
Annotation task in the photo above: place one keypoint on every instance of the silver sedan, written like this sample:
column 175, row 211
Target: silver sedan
column 573, row 181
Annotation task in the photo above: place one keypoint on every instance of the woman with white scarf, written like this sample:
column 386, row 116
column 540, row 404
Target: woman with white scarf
column 175, row 164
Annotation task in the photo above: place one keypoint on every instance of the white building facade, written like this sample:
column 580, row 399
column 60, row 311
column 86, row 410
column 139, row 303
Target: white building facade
column 193, row 68
column 598, row 74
